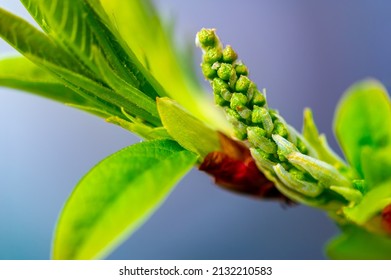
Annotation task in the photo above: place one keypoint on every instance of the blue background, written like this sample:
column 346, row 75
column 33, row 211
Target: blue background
column 306, row 53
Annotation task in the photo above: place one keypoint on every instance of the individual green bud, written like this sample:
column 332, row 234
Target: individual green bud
column 250, row 92
column 298, row 174
column 284, row 146
column 226, row 94
column 232, row 113
column 240, row 128
column 319, row 201
column 208, row 71
column 320, row 170
column 232, row 80
column 261, row 115
column 219, row 85
column 258, row 114
column 207, row 38
column 258, row 131
column 242, row 84
column 240, row 131
column 351, row 195
column 229, row 55
column 258, row 98
column 238, row 100
column 262, row 159
column 257, row 139
column 225, row 71
column 291, row 181
column 219, row 100
column 241, row 69
column 280, row 129
column 301, row 146
column 244, row 112
column 213, row 55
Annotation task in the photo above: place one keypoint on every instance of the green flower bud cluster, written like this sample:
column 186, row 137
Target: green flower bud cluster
column 280, row 152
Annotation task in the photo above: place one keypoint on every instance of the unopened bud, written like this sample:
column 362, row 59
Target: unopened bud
column 244, row 112
column 318, row 169
column 208, row 71
column 306, row 188
column 225, row 71
column 242, row 84
column 219, row 100
column 219, row 85
column 256, row 137
column 262, row 159
column 280, row 129
column 229, row 55
column 284, row 146
column 213, row 55
column 261, row 115
column 301, row 146
column 207, row 38
column 241, row 69
column 226, row 94
column 258, row 98
column 238, row 100
column 240, row 129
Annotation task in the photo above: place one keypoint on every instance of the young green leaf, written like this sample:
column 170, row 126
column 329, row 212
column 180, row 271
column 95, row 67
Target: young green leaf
column 41, row 50
column 154, row 48
column 32, row 43
column 62, row 20
column 319, row 142
column 76, row 26
column 127, row 91
column 116, row 196
column 376, row 165
column 357, row 244
column 21, row 73
column 101, row 95
column 138, row 127
column 363, row 118
column 372, row 203
column 187, row 130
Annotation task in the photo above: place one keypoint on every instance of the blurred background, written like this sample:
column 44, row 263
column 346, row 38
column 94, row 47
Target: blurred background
column 305, row 53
